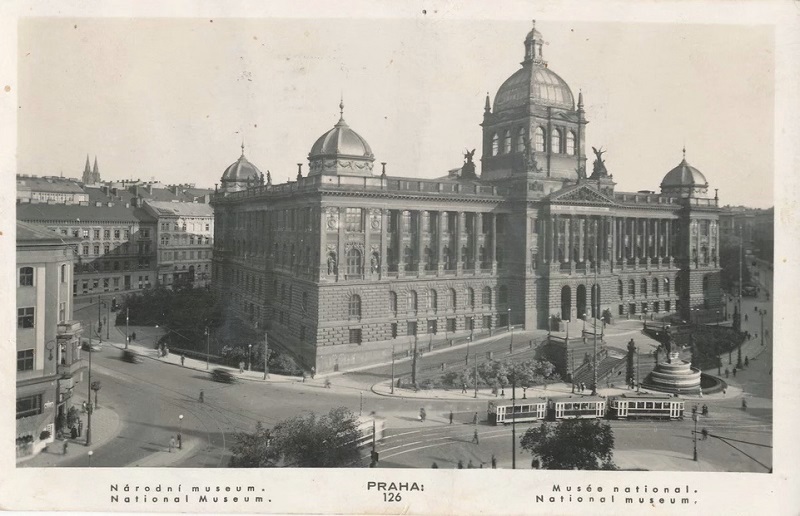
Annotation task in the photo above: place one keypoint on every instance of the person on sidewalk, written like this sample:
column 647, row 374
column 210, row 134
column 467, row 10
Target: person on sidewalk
column 313, row 372
column 475, row 439
column 66, row 445
column 475, row 419
column 451, row 417
column 494, row 462
column 171, row 443
column 747, row 361
column 241, row 366
column 183, row 359
column 464, row 388
column 202, row 397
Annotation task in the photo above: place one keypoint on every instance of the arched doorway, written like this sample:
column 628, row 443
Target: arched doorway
column 566, row 303
column 581, row 300
column 596, row 311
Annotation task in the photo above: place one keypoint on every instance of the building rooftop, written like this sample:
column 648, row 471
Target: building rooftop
column 188, row 209
column 48, row 184
column 77, row 213
column 30, row 233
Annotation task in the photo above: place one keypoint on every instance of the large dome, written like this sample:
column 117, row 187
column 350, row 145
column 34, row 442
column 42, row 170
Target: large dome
column 536, row 84
column 240, row 174
column 684, row 180
column 341, row 141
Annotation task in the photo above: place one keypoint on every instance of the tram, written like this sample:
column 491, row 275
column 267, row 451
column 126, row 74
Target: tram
column 578, row 407
column 528, row 409
column 370, row 430
column 645, row 406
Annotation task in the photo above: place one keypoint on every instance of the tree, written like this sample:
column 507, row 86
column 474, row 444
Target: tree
column 95, row 387
column 253, row 450
column 729, row 256
column 630, row 373
column 305, row 441
column 572, row 444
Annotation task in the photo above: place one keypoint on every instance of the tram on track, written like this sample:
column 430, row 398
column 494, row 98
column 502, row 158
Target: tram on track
column 645, row 406
column 506, row 412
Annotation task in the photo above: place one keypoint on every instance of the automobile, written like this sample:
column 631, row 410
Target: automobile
column 131, row 356
column 94, row 345
column 222, row 375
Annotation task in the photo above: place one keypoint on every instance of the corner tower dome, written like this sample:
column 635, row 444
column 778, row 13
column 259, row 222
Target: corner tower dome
column 534, row 82
column 341, row 151
column 684, row 180
column 240, row 174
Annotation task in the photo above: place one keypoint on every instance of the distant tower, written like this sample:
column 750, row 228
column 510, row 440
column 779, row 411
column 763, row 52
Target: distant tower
column 87, row 172
column 95, row 172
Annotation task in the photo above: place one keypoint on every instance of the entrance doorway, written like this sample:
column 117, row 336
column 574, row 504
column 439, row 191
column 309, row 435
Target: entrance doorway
column 581, row 301
column 566, row 303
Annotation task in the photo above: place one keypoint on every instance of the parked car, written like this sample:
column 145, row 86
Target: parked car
column 222, row 376
column 131, row 357
column 94, row 346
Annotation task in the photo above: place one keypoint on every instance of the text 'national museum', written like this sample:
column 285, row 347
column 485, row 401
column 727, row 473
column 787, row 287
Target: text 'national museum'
column 346, row 262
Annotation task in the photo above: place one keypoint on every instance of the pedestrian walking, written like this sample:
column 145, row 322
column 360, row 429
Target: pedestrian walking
column 727, row 373
column 183, row 359
column 201, row 396
column 734, row 372
column 180, row 442
column 435, row 466
column 327, row 383
column 475, row 439
column 705, row 434
column 470, row 465
column 494, row 462
column 241, row 366
column 747, row 361
column 451, row 417
column 744, row 404
column 422, row 415
column 133, row 336
column 171, row 444
column 460, row 464
column 84, row 405
column 464, row 388
column 66, row 445
column 475, row 419
column 313, row 372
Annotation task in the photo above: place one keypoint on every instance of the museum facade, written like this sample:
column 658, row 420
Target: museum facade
column 347, row 263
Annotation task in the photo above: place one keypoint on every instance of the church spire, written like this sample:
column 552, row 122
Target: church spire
column 487, row 107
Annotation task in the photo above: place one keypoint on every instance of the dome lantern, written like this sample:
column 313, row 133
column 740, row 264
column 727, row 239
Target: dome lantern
column 340, row 151
column 240, row 174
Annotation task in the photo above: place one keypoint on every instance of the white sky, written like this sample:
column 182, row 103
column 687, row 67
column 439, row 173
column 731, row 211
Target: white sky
column 172, row 98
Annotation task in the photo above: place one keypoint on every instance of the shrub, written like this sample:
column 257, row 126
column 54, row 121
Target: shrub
column 44, row 435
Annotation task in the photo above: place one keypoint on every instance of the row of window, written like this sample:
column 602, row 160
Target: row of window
column 562, row 141
column 185, row 240
column 431, row 299
column 109, row 284
column 644, row 284
column 108, row 265
column 118, row 234
column 646, row 307
column 26, row 277
column 185, row 255
column 29, row 406
column 143, row 248
column 183, row 226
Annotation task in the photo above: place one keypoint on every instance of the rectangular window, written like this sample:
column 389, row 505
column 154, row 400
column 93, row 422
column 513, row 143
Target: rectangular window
column 85, row 250
column 96, row 249
column 116, row 265
column 432, row 326
column 352, row 220
column 74, row 288
column 85, row 286
column 25, row 360
column 355, row 336
column 116, row 283
column 85, row 233
column 106, row 248
column 487, row 322
column 96, row 234
column 208, row 227
column 29, row 406
column 411, row 328
column 62, row 312
column 394, row 330
column 105, row 284
column 26, row 276
column 64, row 232
column 25, row 317
column 451, row 325
column 127, row 234
column 469, row 323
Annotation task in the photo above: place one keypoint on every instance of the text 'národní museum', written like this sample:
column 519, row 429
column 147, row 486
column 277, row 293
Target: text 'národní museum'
column 348, row 262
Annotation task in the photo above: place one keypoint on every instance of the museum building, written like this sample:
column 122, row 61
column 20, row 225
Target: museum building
column 347, row 263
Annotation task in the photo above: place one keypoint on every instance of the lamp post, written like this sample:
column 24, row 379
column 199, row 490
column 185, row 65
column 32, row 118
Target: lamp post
column 583, row 316
column 207, row 348
column 89, row 395
column 392, row 387
column 476, row 376
column 127, row 314
column 99, row 320
column 695, row 417
column 637, row 368
column 90, row 453
column 510, row 328
column 514, row 421
column 597, row 306
column 762, row 326
column 249, row 357
column 180, row 431
column 108, row 321
column 266, row 356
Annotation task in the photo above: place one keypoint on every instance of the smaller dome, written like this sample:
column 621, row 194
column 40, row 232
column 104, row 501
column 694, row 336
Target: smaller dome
column 341, row 141
column 684, row 176
column 240, row 171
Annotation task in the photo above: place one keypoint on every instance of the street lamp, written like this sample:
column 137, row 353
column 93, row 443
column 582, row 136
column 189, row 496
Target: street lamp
column 90, row 453
column 249, row 356
column 127, row 314
column 695, row 417
column 583, row 333
column 180, row 431
column 392, row 387
column 207, row 348
column 510, row 329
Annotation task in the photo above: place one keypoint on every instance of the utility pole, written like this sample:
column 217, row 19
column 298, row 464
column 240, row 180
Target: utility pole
column 127, row 313
column 108, row 322
column 89, row 395
column 414, row 364
column 476, row 375
column 99, row 320
column 208, row 348
column 266, row 356
column 392, row 387
column 741, row 241
column 695, row 416
column 637, row 368
column 596, row 309
column 514, row 421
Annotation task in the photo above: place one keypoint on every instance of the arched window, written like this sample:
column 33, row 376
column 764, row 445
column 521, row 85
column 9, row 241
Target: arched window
column 507, row 141
column 555, row 141
column 705, row 284
column 354, row 306
column 408, row 258
column 393, row 302
column 433, row 300
column 522, row 137
column 644, row 287
column 470, row 297
column 621, row 291
column 538, row 139
column 353, row 262
column 26, row 276
column 412, row 301
column 571, row 143
column 632, row 288
column 677, row 286
column 63, row 273
column 655, row 286
column 495, row 144
column 486, row 297
column 451, row 299
column 666, row 286
column 502, row 295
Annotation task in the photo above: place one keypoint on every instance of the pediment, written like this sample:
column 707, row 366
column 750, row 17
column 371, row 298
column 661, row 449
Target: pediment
column 581, row 194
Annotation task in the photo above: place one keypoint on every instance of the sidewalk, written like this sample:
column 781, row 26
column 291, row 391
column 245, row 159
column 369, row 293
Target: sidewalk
column 105, row 426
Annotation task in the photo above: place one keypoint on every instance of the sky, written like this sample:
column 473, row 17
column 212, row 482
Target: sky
column 173, row 99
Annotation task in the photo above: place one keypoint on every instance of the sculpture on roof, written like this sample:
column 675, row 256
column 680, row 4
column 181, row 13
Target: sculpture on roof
column 269, row 178
column 529, row 158
column 468, row 155
column 599, row 166
column 468, row 169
